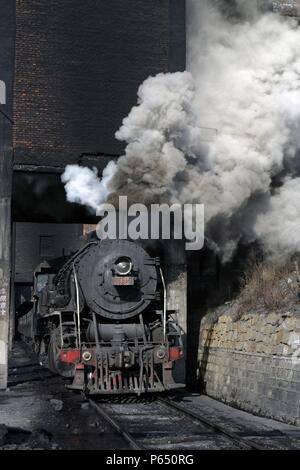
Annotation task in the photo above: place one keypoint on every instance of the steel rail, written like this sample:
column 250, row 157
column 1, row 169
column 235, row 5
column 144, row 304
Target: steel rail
column 109, row 418
column 241, row 441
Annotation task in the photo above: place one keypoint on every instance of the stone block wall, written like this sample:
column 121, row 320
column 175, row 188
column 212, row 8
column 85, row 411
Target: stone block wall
column 253, row 363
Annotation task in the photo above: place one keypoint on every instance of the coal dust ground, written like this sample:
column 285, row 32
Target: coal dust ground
column 38, row 412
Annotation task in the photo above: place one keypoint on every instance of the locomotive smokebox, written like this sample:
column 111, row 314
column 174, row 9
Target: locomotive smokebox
column 106, row 290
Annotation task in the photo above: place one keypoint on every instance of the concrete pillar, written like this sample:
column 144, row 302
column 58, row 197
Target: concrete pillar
column 5, row 244
column 7, row 38
column 12, row 322
column 175, row 271
column 5, row 270
column 175, row 256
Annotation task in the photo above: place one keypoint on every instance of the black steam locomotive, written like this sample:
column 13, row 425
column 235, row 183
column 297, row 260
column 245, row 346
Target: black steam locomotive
column 101, row 317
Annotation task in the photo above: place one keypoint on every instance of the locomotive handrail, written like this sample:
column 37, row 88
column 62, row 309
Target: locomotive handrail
column 165, row 304
column 68, row 265
column 77, row 305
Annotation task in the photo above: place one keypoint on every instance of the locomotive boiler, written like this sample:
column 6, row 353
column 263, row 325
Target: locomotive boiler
column 101, row 317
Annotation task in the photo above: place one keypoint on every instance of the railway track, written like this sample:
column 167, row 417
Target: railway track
column 162, row 424
column 240, row 441
column 176, row 421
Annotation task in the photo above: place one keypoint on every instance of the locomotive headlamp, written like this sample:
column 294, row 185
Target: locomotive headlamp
column 86, row 356
column 123, row 266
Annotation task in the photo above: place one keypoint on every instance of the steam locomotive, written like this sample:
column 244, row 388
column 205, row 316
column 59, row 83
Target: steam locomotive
column 101, row 318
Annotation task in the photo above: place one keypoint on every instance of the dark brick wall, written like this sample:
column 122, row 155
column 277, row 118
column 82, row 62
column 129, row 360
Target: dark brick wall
column 7, row 37
column 27, row 245
column 78, row 67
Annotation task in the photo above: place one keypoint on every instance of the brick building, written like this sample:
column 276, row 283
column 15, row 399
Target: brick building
column 76, row 67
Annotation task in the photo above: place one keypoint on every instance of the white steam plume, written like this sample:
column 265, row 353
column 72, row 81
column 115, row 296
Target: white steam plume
column 244, row 82
column 247, row 73
column 83, row 186
column 278, row 228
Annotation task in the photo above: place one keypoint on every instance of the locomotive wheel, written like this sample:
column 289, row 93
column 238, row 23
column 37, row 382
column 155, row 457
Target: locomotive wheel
column 54, row 349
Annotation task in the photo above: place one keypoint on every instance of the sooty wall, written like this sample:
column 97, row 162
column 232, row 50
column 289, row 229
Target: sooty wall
column 78, row 67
